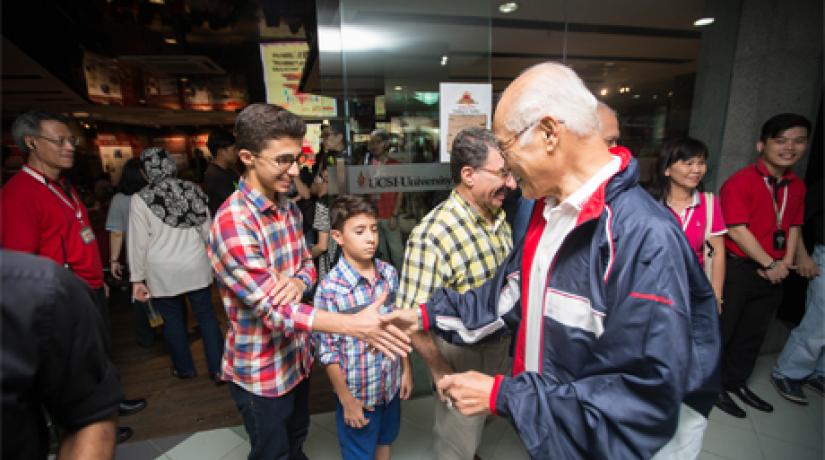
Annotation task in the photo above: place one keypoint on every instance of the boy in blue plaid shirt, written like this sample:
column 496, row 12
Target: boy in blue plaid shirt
column 368, row 384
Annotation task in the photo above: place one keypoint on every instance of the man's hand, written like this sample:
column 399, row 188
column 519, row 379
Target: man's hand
column 468, row 391
column 368, row 325
column 405, row 320
column 140, row 292
column 806, row 267
column 776, row 274
column 288, row 290
column 353, row 411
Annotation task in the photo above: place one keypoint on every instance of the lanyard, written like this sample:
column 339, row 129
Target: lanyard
column 779, row 212
column 73, row 206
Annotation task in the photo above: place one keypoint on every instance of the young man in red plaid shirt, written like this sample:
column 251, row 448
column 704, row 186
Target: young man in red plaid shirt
column 263, row 268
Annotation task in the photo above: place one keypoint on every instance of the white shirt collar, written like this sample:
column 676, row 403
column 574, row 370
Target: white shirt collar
column 583, row 193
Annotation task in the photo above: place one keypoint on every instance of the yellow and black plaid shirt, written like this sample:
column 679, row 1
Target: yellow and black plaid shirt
column 452, row 247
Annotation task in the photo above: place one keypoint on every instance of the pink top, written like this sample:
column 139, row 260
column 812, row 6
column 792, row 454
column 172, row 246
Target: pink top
column 693, row 222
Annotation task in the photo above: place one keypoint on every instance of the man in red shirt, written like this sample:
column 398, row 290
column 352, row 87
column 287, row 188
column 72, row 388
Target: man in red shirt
column 763, row 206
column 41, row 213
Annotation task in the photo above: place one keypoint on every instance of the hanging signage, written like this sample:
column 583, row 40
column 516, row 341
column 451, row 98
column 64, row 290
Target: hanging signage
column 283, row 64
column 417, row 177
column 463, row 105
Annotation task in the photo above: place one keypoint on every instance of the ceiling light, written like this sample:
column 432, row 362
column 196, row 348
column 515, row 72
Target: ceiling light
column 398, row 88
column 508, row 7
column 703, row 22
column 603, row 92
column 636, row 96
column 170, row 41
column 444, row 60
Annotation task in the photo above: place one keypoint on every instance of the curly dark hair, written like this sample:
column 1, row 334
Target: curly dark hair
column 259, row 123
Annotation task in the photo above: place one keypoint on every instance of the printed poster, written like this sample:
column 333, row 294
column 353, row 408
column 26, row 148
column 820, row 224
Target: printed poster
column 283, row 64
column 102, row 79
column 462, row 105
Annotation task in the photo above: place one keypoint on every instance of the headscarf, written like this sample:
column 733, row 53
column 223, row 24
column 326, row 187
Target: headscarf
column 177, row 203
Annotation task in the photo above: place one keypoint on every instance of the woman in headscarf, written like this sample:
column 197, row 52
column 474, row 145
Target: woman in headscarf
column 168, row 226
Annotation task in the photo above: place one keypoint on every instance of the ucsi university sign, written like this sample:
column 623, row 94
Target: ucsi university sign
column 416, row 177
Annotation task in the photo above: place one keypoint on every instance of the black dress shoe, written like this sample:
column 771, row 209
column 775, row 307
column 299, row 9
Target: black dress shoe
column 748, row 397
column 216, row 377
column 131, row 406
column 725, row 404
column 123, row 434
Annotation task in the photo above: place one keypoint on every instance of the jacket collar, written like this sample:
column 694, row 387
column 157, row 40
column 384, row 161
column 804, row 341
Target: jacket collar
column 626, row 177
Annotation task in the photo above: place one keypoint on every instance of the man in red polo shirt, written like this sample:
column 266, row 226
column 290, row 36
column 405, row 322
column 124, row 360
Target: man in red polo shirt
column 41, row 213
column 763, row 206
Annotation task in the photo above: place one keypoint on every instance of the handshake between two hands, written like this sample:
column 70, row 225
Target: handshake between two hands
column 467, row 392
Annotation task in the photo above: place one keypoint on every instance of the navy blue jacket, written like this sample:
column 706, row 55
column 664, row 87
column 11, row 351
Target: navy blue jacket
column 630, row 329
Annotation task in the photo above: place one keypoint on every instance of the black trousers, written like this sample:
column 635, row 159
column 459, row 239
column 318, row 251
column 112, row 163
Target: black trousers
column 750, row 305
column 103, row 308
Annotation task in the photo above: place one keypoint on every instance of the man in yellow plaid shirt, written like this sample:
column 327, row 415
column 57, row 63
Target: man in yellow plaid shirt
column 459, row 245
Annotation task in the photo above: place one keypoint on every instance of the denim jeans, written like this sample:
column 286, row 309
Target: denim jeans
column 277, row 427
column 174, row 329
column 804, row 352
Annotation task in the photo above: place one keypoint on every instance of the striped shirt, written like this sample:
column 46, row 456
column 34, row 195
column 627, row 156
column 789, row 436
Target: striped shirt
column 371, row 377
column 253, row 241
column 452, row 247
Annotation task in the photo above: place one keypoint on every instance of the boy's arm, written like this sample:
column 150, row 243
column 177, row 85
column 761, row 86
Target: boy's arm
column 406, row 379
column 353, row 408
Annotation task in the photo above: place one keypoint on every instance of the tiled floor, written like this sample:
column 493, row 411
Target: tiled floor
column 790, row 432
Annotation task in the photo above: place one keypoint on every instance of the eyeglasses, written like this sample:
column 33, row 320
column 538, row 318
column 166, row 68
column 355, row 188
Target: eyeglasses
column 502, row 173
column 61, row 141
column 505, row 145
column 286, row 160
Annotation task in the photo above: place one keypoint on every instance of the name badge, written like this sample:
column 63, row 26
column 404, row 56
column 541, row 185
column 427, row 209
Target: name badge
column 87, row 235
column 779, row 240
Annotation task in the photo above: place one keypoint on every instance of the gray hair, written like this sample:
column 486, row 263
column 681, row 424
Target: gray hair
column 28, row 125
column 557, row 91
column 470, row 148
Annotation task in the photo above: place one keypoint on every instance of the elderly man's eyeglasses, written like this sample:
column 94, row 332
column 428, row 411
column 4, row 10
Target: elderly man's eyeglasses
column 504, row 146
column 61, row 141
column 285, row 160
column 503, row 173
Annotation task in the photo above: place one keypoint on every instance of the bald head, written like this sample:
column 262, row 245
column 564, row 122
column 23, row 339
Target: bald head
column 608, row 124
column 546, row 89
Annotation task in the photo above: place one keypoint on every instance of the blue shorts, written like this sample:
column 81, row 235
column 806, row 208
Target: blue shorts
column 382, row 429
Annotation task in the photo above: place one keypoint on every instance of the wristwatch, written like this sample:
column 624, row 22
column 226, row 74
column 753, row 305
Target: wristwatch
column 420, row 319
column 771, row 265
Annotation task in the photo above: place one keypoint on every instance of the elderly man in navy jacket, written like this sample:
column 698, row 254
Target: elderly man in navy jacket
column 617, row 336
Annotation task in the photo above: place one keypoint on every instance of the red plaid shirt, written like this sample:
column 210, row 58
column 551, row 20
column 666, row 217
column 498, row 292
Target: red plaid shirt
column 252, row 242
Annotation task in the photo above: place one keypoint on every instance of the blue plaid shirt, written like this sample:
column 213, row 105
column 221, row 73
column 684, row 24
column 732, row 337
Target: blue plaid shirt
column 371, row 377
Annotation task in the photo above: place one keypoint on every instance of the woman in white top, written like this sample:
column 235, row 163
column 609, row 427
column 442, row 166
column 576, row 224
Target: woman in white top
column 168, row 225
